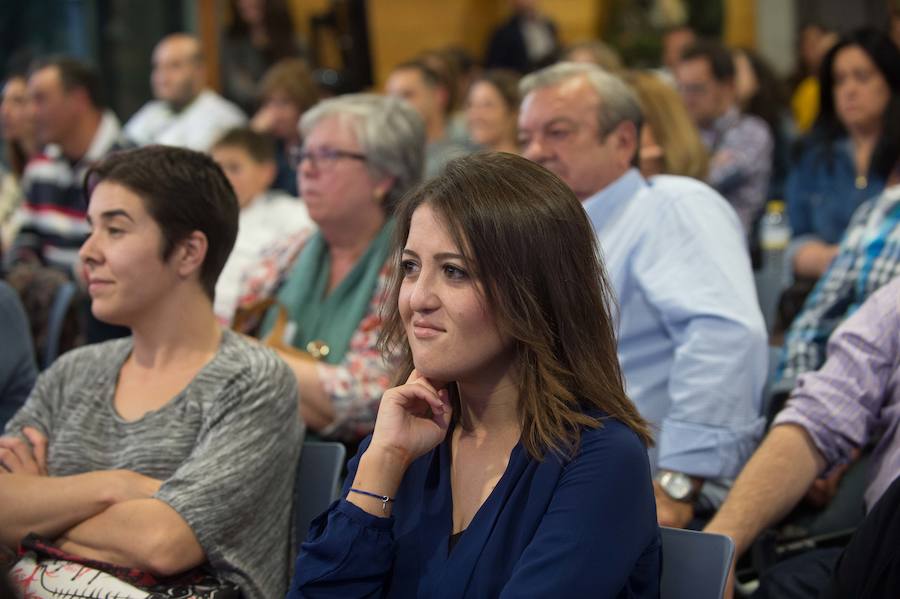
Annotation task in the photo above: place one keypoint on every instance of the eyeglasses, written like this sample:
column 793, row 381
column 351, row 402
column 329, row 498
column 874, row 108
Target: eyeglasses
column 323, row 158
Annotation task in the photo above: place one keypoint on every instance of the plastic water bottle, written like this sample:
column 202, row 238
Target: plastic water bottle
column 775, row 233
column 774, row 236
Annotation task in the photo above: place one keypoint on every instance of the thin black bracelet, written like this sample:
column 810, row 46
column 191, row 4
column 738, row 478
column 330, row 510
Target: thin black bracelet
column 383, row 498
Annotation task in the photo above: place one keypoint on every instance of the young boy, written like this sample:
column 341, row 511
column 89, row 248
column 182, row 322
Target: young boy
column 267, row 215
column 168, row 452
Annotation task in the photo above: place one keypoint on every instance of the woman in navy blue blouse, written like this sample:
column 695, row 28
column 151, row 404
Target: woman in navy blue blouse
column 508, row 460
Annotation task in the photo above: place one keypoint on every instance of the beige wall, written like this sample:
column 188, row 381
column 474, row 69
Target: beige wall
column 740, row 23
column 302, row 10
column 400, row 29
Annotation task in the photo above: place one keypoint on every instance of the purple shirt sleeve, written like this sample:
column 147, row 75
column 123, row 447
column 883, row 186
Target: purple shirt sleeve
column 840, row 405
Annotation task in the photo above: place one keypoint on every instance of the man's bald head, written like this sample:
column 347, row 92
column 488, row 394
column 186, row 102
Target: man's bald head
column 178, row 75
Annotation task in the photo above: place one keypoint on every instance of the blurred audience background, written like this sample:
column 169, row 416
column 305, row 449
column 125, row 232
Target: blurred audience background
column 323, row 112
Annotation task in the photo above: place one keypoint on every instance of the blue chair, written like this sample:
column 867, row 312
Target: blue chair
column 62, row 302
column 317, row 483
column 695, row 565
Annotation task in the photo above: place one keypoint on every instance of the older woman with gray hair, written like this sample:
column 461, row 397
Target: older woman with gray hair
column 360, row 154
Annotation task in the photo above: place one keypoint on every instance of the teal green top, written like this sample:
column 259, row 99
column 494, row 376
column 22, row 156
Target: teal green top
column 329, row 318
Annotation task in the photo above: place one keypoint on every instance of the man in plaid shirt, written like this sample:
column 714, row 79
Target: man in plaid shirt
column 868, row 258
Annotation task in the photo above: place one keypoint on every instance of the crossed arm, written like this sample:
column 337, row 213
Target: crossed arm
column 108, row 515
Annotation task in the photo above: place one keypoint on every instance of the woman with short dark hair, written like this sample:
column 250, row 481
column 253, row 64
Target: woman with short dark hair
column 507, row 460
column 128, row 467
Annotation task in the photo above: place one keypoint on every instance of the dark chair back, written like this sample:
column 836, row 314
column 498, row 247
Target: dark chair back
column 695, row 564
column 317, row 483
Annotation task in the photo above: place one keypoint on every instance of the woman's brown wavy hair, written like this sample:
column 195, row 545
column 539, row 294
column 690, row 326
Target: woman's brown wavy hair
column 529, row 243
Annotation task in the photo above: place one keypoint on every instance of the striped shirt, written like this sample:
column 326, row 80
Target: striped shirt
column 225, row 448
column 740, row 147
column 54, row 215
column 855, row 397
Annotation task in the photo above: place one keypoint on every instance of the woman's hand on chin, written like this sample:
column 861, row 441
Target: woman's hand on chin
column 412, row 419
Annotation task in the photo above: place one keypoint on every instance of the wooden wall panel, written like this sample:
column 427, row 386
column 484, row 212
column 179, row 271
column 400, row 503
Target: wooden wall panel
column 740, row 23
column 302, row 10
column 208, row 19
column 578, row 20
column 400, row 29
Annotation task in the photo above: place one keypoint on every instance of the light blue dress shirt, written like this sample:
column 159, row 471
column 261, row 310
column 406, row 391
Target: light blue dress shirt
column 692, row 342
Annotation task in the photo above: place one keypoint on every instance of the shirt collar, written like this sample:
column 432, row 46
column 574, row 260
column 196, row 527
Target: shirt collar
column 727, row 120
column 106, row 135
column 891, row 194
column 621, row 190
column 194, row 102
column 719, row 126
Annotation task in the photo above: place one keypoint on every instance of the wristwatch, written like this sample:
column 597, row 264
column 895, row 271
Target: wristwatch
column 677, row 485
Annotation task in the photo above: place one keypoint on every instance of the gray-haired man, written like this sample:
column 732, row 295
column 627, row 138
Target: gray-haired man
column 692, row 342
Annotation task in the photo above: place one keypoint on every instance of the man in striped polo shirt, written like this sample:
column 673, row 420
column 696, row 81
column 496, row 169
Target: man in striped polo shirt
column 75, row 130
